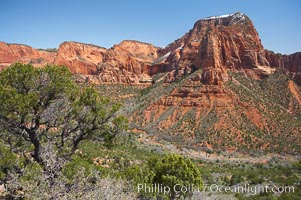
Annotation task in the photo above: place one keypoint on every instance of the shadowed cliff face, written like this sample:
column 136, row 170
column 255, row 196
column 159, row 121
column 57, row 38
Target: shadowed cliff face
column 289, row 63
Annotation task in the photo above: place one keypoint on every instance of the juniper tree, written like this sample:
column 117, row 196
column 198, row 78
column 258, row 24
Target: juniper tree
column 44, row 105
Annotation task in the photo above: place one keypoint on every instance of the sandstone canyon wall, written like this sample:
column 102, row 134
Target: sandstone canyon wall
column 80, row 58
column 214, row 44
column 128, row 62
column 289, row 63
column 11, row 53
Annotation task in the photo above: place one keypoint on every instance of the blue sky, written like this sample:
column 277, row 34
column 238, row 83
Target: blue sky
column 46, row 24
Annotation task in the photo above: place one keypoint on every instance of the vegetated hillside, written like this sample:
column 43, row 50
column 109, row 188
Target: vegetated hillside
column 214, row 88
column 243, row 114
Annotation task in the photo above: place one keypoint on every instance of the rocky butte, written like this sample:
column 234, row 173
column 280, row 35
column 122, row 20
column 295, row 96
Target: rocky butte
column 223, row 90
column 217, row 86
column 219, row 43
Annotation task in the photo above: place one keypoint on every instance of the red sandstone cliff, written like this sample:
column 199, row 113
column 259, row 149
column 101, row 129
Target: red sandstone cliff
column 290, row 63
column 217, row 44
column 11, row 53
column 214, row 44
column 127, row 62
column 80, row 58
column 201, row 111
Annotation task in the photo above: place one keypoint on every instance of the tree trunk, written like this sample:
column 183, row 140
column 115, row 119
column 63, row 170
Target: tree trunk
column 37, row 149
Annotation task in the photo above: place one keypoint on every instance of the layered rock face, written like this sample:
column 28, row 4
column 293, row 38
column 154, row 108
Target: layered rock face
column 242, row 114
column 193, row 106
column 214, row 44
column 139, row 50
column 290, row 63
column 79, row 58
column 11, row 53
column 199, row 110
column 217, row 44
column 127, row 62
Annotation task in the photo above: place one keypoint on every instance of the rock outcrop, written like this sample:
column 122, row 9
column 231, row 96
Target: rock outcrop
column 242, row 114
column 127, row 62
column 198, row 110
column 11, row 53
column 214, row 44
column 193, row 107
column 79, row 58
column 289, row 63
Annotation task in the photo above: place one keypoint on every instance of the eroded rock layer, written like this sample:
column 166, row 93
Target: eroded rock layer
column 214, row 44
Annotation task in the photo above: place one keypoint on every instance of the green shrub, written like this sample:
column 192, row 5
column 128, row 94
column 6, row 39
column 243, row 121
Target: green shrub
column 174, row 170
column 7, row 160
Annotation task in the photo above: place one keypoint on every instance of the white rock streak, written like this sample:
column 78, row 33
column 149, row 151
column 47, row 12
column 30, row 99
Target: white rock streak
column 236, row 15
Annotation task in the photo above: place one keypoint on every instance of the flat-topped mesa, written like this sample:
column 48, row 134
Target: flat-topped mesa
column 216, row 44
